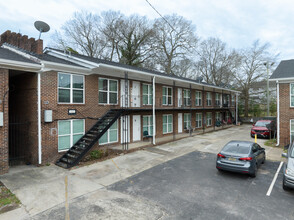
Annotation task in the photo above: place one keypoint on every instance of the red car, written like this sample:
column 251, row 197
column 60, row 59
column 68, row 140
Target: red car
column 263, row 128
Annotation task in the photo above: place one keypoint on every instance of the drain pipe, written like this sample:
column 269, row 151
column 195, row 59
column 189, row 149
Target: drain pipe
column 39, row 120
column 154, row 121
column 278, row 113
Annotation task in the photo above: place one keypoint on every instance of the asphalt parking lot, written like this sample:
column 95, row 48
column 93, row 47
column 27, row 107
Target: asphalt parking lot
column 190, row 187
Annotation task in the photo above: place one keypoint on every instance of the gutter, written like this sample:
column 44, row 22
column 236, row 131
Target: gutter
column 65, row 68
column 278, row 113
column 17, row 65
column 39, row 120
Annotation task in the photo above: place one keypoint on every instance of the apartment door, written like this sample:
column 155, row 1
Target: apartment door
column 125, row 129
column 180, row 98
column 180, row 122
column 136, row 99
column 124, row 93
column 136, row 127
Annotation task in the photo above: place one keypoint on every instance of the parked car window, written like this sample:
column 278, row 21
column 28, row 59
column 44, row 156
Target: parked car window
column 236, row 148
column 255, row 147
column 262, row 123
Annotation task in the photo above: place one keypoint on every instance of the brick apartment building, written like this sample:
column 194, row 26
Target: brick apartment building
column 53, row 101
column 284, row 78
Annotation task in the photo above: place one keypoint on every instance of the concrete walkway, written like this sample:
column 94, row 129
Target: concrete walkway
column 41, row 188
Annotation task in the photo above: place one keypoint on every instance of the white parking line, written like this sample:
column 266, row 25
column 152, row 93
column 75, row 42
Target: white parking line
column 274, row 180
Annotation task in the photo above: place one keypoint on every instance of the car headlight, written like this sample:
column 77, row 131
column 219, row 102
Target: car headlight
column 289, row 172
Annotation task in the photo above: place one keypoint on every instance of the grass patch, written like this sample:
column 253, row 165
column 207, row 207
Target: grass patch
column 271, row 143
column 7, row 198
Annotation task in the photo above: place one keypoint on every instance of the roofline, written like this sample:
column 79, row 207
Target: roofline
column 18, row 65
column 282, row 79
column 48, row 66
column 164, row 77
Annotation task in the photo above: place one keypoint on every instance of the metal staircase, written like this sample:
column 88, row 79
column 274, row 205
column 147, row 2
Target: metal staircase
column 86, row 142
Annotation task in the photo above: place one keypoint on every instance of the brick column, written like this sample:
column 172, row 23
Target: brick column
column 4, row 155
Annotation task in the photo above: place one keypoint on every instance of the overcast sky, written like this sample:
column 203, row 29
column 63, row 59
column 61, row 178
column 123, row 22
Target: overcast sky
column 236, row 22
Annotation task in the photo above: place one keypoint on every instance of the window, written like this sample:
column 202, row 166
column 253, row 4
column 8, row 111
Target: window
column 107, row 91
column 70, row 88
column 111, row 135
column 198, row 120
column 69, row 132
column 292, row 95
column 167, row 123
column 217, row 99
column 167, row 95
column 187, row 97
column 227, row 100
column 227, row 116
column 147, row 125
column 187, row 120
column 147, row 94
column 233, row 100
column 208, row 99
column 198, row 99
column 208, row 118
column 218, row 116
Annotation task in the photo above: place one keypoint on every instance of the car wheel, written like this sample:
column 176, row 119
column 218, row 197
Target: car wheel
column 284, row 186
column 263, row 160
column 255, row 171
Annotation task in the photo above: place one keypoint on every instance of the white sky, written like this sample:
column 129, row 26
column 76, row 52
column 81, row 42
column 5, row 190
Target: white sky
column 236, row 22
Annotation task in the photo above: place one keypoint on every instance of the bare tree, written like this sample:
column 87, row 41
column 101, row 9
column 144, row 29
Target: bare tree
column 175, row 41
column 252, row 69
column 216, row 63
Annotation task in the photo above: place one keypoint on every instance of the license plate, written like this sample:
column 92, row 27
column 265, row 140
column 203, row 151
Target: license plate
column 232, row 159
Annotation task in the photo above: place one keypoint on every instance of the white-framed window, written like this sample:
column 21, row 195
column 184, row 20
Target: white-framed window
column 208, row 99
column 198, row 98
column 291, row 94
column 198, row 120
column 70, row 88
column 217, row 99
column 233, row 100
column 218, row 116
column 147, row 125
column 167, row 95
column 167, row 123
column 147, row 94
column 291, row 130
column 187, row 97
column 108, row 91
column 111, row 135
column 69, row 132
column 228, row 100
column 208, row 118
column 187, row 120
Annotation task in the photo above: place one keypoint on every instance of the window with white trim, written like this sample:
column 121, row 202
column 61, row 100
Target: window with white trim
column 167, row 123
column 218, row 116
column 70, row 88
column 147, row 125
column 108, row 91
column 187, row 97
column 291, row 130
column 187, row 121
column 217, row 99
column 147, row 94
column 208, row 118
column 291, row 94
column 198, row 120
column 208, row 99
column 198, row 98
column 69, row 132
column 111, row 135
column 167, row 95
column 233, row 100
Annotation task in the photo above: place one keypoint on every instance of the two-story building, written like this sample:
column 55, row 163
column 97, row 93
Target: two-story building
column 56, row 106
column 284, row 78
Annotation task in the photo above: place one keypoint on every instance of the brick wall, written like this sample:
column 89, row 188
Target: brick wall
column 4, row 156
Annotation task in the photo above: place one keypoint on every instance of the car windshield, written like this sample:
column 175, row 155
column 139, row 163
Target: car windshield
column 262, row 123
column 236, row 148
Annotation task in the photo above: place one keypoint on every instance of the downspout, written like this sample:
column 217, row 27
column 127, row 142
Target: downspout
column 278, row 114
column 39, row 120
column 236, row 114
column 154, row 121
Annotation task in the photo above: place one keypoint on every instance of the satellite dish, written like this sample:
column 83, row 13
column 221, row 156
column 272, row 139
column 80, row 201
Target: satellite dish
column 41, row 26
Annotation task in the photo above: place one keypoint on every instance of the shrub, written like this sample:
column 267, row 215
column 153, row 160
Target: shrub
column 96, row 154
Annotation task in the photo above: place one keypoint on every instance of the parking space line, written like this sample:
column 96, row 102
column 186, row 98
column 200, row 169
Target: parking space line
column 274, row 180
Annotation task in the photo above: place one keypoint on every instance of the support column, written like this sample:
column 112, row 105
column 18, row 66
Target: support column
column 153, row 110
column 236, row 113
column 39, row 121
column 4, row 130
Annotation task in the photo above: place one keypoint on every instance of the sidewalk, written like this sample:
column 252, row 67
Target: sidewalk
column 41, row 188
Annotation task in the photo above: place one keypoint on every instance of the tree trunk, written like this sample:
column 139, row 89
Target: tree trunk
column 246, row 102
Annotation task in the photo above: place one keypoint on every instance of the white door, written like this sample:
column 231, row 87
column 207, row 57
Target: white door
column 125, row 129
column 136, row 127
column 180, row 122
column 124, row 98
column 180, row 99
column 136, row 99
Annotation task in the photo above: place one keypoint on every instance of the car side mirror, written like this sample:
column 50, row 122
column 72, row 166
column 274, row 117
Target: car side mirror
column 284, row 155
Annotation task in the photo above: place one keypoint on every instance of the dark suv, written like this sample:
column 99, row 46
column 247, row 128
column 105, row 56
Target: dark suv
column 263, row 128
